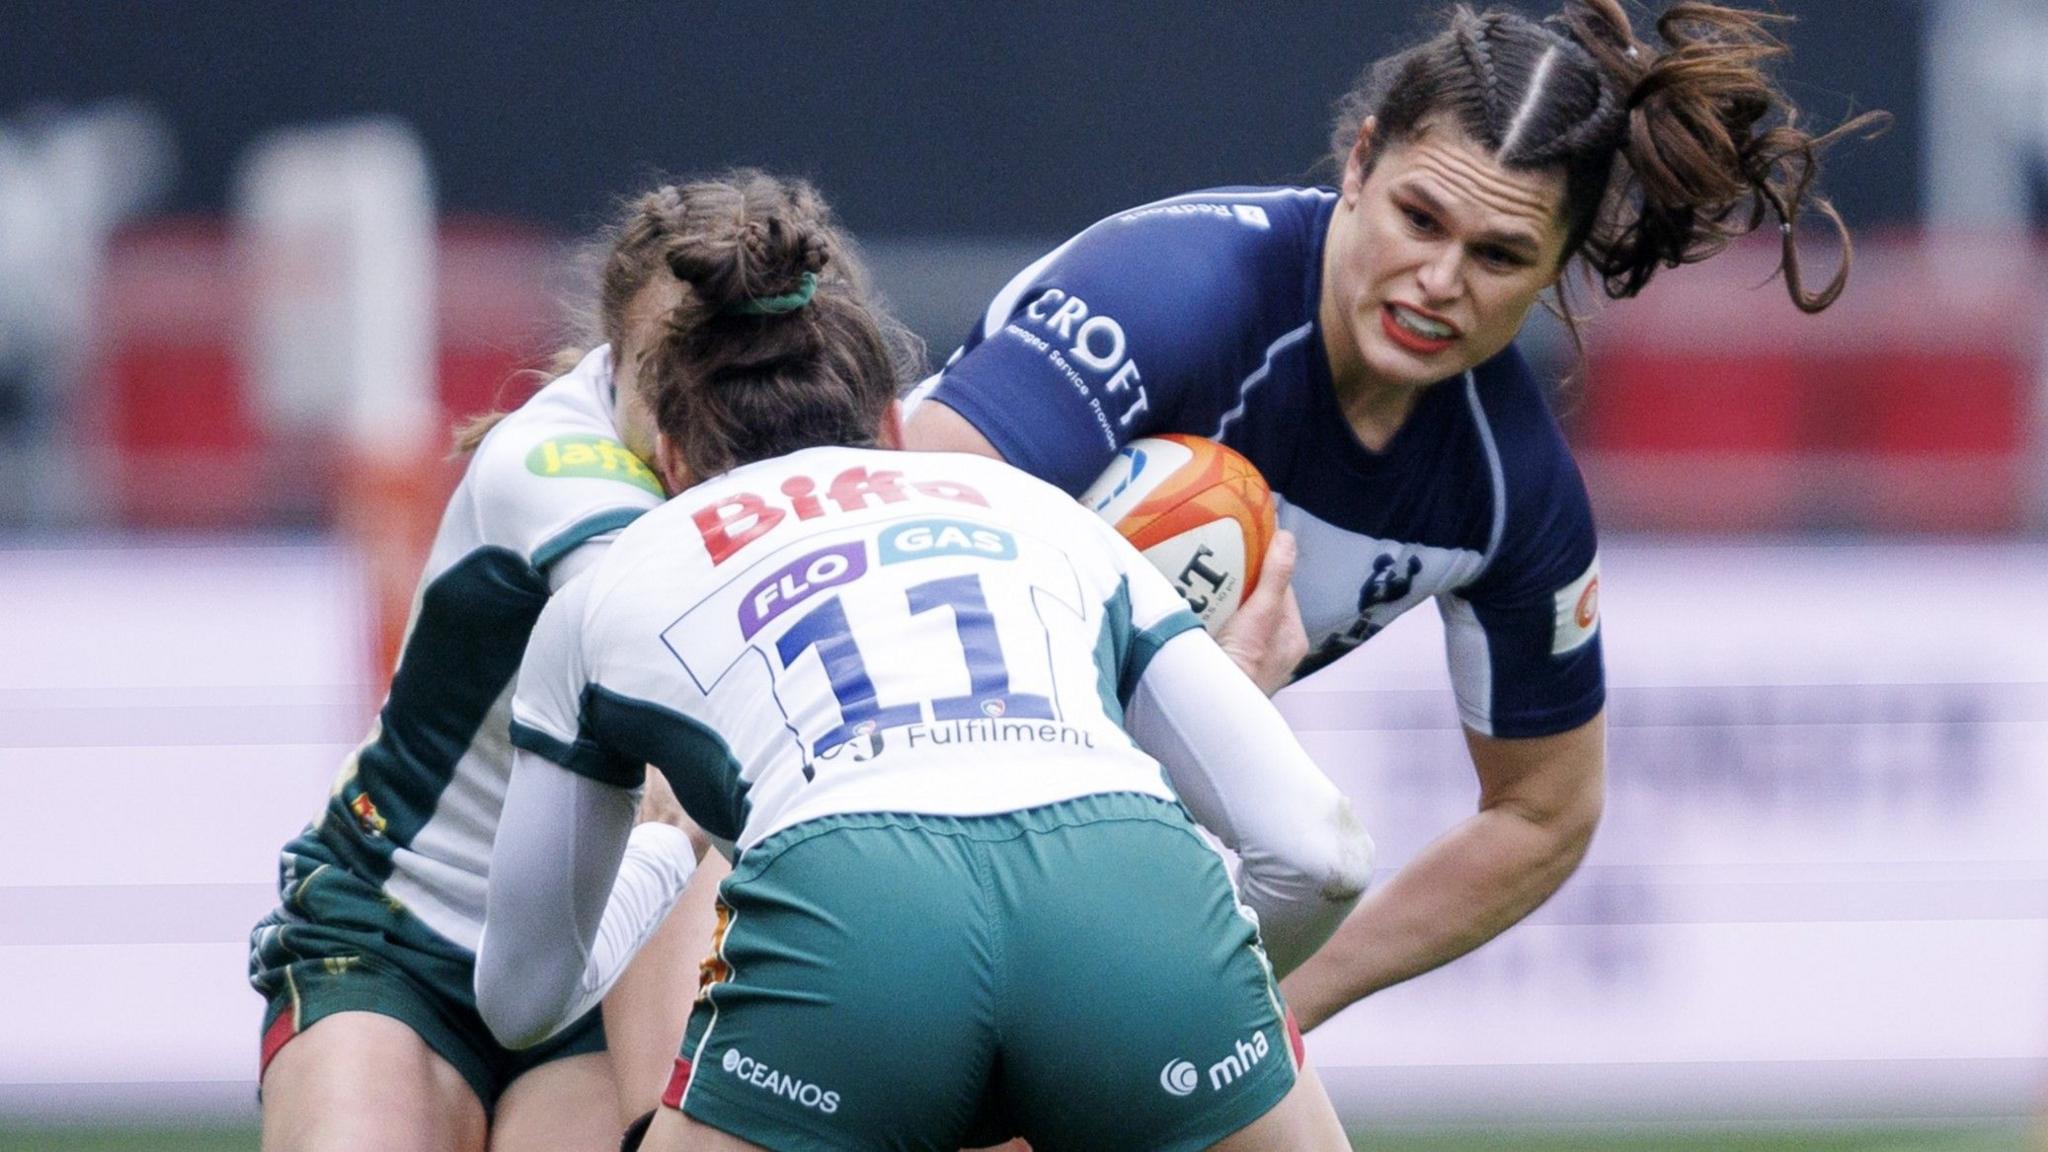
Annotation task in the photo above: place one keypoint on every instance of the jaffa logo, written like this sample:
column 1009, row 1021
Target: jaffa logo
column 1179, row 1078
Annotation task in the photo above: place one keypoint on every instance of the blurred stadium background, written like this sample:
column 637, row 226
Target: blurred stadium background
column 254, row 259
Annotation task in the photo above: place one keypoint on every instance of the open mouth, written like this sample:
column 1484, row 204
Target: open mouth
column 1418, row 333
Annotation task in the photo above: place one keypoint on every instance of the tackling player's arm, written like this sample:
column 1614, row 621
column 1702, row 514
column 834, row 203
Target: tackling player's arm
column 576, row 887
column 1241, row 773
column 1239, row 770
column 1540, row 801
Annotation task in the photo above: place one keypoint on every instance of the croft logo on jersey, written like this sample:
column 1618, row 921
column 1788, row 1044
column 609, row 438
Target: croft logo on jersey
column 1095, row 343
column 1241, row 1060
column 592, row 458
column 748, row 1070
column 1577, row 606
column 798, row 581
column 921, row 538
column 732, row 522
column 1179, row 1078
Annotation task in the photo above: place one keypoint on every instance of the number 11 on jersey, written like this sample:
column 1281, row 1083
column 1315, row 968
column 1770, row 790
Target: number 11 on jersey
column 827, row 629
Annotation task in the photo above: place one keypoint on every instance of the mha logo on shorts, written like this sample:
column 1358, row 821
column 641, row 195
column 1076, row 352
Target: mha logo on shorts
column 1179, row 1077
column 751, row 1071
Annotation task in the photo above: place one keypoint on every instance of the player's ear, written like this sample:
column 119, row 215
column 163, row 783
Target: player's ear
column 1361, row 155
column 668, row 464
column 890, row 434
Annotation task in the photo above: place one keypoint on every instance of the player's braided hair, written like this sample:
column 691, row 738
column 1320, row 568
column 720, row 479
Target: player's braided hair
column 1667, row 154
column 778, row 343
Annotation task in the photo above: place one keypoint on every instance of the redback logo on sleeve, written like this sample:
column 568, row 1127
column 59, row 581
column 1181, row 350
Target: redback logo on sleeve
column 1577, row 607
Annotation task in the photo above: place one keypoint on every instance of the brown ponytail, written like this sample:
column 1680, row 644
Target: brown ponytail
column 1711, row 148
column 1667, row 154
column 777, row 345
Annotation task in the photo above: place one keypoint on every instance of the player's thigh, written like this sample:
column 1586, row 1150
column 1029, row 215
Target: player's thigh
column 566, row 1105
column 646, row 1011
column 1139, row 1009
column 852, row 1002
column 1304, row 1121
column 363, row 1080
column 674, row 1132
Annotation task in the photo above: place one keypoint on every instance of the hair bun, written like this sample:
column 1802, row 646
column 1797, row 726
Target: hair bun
column 756, row 244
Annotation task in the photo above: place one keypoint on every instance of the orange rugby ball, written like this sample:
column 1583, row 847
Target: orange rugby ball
column 1199, row 511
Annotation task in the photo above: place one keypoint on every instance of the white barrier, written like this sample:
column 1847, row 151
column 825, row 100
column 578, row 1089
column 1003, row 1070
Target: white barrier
column 1821, row 889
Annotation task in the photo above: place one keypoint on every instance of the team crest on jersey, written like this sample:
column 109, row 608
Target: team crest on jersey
column 591, row 458
column 866, row 743
column 1390, row 582
column 366, row 814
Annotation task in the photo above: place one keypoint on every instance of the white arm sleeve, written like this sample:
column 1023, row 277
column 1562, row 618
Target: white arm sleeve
column 1240, row 771
column 575, row 890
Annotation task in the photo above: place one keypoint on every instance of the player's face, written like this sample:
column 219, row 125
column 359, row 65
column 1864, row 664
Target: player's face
column 644, row 316
column 1434, row 260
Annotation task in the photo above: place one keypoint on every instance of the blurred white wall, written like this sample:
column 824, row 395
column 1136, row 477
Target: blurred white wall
column 1821, row 890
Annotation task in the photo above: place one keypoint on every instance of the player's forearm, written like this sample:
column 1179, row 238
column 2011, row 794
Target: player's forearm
column 1242, row 774
column 1471, row 885
column 575, row 889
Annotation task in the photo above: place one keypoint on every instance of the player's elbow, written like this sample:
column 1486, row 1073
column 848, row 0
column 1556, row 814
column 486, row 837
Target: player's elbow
column 514, row 1005
column 1333, row 855
column 1572, row 830
column 1565, row 828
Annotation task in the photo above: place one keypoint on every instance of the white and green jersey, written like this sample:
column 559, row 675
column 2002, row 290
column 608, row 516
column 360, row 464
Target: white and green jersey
column 417, row 805
column 853, row 630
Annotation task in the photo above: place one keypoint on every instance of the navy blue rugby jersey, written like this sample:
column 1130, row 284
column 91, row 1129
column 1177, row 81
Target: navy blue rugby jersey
column 1198, row 314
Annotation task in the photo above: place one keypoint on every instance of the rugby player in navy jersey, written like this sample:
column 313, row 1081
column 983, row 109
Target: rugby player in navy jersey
column 1357, row 344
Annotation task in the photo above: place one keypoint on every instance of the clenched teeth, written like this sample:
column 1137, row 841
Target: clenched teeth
column 1422, row 325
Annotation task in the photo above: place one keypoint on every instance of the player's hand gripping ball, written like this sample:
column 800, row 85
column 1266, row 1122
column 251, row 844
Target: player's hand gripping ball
column 1197, row 510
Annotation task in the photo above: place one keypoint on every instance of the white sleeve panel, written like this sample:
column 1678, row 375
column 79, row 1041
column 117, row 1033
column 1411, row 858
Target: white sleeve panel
column 1240, row 771
column 579, row 560
column 552, row 674
column 1465, row 646
column 575, row 890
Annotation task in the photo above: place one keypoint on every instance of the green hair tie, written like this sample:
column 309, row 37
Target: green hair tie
column 777, row 305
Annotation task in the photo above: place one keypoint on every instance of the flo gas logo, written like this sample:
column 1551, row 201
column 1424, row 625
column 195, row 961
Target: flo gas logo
column 1179, row 1078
